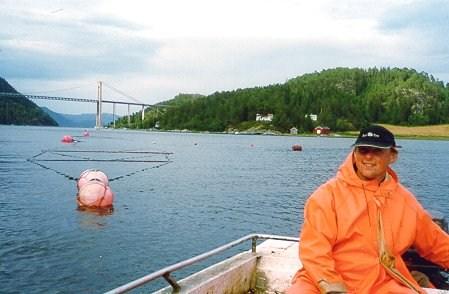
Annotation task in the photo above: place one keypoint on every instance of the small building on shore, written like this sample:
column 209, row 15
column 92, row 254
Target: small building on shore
column 293, row 131
column 322, row 131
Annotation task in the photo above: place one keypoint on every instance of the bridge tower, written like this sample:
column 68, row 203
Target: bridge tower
column 98, row 122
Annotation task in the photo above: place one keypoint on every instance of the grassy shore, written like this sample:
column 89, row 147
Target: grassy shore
column 421, row 132
column 436, row 131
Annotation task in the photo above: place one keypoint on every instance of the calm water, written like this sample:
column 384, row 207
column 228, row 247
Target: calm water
column 217, row 188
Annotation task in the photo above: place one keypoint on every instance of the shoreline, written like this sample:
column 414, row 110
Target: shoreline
column 431, row 132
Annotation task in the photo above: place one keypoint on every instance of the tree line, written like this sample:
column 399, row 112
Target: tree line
column 342, row 98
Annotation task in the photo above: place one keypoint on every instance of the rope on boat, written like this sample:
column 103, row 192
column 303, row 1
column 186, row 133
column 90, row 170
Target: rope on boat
column 36, row 159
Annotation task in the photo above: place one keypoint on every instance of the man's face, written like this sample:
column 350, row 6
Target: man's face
column 372, row 163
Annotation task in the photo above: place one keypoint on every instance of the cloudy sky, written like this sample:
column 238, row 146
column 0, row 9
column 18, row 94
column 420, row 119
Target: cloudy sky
column 152, row 50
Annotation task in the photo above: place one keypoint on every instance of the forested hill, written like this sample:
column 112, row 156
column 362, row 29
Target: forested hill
column 342, row 98
column 19, row 110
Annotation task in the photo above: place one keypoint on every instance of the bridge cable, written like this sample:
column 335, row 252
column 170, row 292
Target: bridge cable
column 122, row 93
column 49, row 91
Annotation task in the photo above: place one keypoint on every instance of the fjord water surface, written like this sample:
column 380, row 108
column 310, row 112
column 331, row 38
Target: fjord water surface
column 216, row 188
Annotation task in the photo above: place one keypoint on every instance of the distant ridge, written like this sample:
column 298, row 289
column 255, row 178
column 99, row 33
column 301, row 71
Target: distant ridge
column 84, row 120
column 18, row 110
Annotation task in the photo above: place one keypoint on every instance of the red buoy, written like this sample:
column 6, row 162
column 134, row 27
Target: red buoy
column 296, row 147
column 67, row 139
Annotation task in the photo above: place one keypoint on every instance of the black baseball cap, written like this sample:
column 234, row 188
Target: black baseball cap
column 376, row 136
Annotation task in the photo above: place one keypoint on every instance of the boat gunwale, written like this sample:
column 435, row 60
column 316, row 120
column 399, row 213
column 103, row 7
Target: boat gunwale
column 166, row 271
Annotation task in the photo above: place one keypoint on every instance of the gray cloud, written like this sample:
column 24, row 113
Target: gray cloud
column 426, row 22
column 112, row 22
column 100, row 45
column 430, row 16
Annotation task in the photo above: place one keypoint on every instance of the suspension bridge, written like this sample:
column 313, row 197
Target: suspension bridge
column 98, row 101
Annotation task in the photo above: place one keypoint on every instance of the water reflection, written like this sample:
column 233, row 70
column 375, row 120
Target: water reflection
column 94, row 218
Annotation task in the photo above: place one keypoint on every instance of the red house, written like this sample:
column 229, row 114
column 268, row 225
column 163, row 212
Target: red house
column 322, row 131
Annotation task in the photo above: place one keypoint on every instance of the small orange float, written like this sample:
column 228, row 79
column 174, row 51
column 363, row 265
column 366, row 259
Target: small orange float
column 67, row 139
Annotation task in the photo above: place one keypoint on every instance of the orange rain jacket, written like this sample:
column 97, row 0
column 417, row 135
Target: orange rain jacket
column 339, row 242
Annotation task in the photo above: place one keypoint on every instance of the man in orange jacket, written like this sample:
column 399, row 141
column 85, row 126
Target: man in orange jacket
column 359, row 223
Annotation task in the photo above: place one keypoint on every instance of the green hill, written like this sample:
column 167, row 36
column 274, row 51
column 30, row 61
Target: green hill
column 342, row 99
column 152, row 116
column 18, row 110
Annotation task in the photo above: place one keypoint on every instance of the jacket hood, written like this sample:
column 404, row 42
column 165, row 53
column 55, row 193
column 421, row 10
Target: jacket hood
column 346, row 172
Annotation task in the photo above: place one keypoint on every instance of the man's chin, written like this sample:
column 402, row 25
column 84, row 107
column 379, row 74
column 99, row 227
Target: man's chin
column 368, row 176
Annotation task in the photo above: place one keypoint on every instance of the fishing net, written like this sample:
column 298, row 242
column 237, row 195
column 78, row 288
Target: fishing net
column 117, row 164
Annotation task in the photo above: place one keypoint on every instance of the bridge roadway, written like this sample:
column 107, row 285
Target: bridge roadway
column 97, row 101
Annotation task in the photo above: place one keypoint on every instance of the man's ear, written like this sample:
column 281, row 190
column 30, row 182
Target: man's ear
column 393, row 156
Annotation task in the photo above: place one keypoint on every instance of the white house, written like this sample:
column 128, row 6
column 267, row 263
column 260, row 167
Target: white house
column 312, row 116
column 268, row 117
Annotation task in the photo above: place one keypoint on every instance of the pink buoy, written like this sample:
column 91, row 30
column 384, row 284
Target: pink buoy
column 67, row 139
column 93, row 190
column 90, row 174
column 95, row 195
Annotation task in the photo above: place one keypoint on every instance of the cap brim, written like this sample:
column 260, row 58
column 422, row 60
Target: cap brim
column 374, row 145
